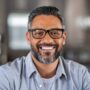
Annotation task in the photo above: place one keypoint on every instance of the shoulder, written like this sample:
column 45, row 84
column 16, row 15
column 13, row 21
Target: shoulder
column 77, row 73
column 10, row 71
column 73, row 65
column 74, row 69
column 12, row 68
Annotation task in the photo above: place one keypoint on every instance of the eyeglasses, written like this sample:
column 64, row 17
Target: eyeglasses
column 54, row 33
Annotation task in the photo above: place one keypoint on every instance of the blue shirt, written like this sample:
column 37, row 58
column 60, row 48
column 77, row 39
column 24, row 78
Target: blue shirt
column 21, row 74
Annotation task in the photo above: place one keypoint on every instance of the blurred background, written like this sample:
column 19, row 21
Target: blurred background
column 13, row 26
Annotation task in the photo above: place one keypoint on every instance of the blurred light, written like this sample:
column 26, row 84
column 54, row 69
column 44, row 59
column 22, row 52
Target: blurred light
column 17, row 45
column 83, row 22
column 17, row 28
column 44, row 2
column 17, row 20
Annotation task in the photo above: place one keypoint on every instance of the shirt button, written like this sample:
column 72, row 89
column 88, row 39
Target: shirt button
column 40, row 86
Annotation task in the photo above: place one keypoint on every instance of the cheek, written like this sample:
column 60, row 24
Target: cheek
column 59, row 43
column 34, row 43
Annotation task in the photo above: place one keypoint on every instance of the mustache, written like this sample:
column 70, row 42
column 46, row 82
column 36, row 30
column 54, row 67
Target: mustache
column 45, row 44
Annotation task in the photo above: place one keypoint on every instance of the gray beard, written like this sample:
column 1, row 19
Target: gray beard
column 43, row 60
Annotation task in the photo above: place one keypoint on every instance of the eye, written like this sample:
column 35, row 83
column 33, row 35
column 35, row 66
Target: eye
column 54, row 32
column 38, row 32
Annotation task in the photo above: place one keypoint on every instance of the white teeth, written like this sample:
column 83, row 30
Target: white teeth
column 47, row 48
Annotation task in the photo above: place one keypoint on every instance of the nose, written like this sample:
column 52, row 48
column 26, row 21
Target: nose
column 47, row 39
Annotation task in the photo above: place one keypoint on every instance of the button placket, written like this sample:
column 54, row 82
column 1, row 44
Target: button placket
column 39, row 82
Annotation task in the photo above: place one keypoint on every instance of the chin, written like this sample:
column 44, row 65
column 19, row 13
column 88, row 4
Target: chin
column 46, row 59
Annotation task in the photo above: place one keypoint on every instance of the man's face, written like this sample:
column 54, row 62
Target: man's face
column 46, row 49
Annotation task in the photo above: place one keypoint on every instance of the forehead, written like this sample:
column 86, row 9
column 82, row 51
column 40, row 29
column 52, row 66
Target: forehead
column 46, row 21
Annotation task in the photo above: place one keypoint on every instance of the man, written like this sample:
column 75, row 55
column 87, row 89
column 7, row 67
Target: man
column 43, row 68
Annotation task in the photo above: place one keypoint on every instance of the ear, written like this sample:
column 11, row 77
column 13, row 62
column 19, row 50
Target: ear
column 64, row 37
column 28, row 37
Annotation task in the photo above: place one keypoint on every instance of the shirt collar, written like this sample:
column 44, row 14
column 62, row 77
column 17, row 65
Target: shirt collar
column 30, row 67
column 60, row 69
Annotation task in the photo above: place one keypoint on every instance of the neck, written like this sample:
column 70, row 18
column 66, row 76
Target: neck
column 46, row 70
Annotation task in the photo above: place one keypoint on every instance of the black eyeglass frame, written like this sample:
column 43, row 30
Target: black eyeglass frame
column 46, row 31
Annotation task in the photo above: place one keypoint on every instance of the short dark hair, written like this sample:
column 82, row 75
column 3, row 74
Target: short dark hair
column 46, row 10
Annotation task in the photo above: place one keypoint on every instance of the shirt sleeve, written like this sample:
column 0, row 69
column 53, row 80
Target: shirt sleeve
column 4, row 82
column 86, row 80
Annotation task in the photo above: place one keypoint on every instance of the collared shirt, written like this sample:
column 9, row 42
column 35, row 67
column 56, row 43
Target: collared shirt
column 21, row 74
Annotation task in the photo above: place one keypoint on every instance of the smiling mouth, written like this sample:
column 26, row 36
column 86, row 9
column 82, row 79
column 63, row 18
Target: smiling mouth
column 47, row 48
